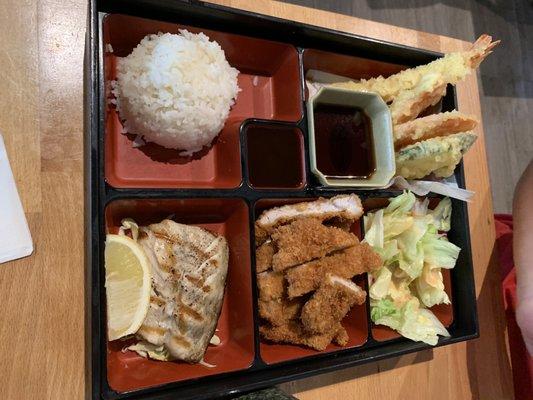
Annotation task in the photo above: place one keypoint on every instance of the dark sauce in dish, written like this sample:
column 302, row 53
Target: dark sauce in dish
column 343, row 141
column 275, row 158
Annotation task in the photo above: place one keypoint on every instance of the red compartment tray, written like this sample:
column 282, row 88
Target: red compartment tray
column 270, row 89
column 129, row 371
column 355, row 322
column 444, row 312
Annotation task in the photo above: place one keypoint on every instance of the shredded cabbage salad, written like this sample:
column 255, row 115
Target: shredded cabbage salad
column 407, row 236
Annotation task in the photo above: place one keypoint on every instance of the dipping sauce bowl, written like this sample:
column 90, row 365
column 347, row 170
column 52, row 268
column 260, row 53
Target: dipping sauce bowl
column 350, row 137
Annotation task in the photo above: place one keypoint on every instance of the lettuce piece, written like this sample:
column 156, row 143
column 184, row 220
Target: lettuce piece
column 420, row 208
column 399, row 291
column 149, row 350
column 438, row 251
column 420, row 324
column 382, row 280
column 389, row 252
column 382, row 309
column 430, row 287
column 411, row 321
column 412, row 253
column 401, row 204
column 394, row 225
column 374, row 230
column 442, row 215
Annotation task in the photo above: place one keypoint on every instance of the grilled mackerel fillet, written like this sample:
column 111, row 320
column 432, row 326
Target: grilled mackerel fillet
column 189, row 268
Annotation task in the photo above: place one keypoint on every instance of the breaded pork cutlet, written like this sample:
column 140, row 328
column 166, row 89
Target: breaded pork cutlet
column 293, row 332
column 347, row 263
column 306, row 239
column 343, row 206
column 271, row 285
column 261, row 235
column 341, row 337
column 280, row 311
column 263, row 256
column 330, row 304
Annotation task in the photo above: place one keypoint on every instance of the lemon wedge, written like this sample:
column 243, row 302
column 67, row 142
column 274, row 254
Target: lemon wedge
column 127, row 282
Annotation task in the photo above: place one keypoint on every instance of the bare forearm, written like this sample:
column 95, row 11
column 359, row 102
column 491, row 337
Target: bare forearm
column 523, row 252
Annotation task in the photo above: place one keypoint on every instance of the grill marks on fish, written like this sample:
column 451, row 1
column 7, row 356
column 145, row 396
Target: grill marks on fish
column 189, row 268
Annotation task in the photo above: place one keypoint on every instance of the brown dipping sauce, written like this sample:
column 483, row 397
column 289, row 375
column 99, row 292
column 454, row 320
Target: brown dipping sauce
column 274, row 156
column 343, row 141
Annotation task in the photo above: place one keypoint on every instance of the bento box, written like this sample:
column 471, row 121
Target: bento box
column 225, row 190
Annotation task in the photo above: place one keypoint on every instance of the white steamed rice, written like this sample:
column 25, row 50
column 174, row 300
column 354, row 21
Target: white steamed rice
column 176, row 90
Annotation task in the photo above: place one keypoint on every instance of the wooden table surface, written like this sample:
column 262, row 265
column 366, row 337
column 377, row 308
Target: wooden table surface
column 42, row 297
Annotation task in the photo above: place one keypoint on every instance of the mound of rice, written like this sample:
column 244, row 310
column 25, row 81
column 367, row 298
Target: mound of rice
column 175, row 90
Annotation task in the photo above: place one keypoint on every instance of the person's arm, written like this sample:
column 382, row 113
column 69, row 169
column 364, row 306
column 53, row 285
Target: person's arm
column 523, row 253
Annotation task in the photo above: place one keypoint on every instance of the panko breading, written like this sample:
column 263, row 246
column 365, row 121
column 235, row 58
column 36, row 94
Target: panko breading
column 409, row 103
column 263, row 257
column 261, row 235
column 347, row 206
column 306, row 239
column 442, row 124
column 439, row 155
column 353, row 261
column 280, row 311
column 341, row 223
column 271, row 285
column 453, row 67
column 330, row 303
column 297, row 246
column 293, row 332
column 341, row 337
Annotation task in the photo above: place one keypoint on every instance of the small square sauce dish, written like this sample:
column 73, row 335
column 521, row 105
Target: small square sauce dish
column 350, row 138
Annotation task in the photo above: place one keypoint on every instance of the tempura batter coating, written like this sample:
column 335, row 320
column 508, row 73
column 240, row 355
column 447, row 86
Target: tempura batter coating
column 435, row 125
column 306, row 239
column 438, row 155
column 453, row 67
column 410, row 103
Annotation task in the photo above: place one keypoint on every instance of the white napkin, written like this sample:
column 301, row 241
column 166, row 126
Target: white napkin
column 15, row 238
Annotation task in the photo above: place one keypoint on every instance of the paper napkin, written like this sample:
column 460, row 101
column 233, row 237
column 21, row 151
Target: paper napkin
column 15, row 237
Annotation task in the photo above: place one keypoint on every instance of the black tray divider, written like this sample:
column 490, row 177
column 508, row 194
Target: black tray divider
column 370, row 338
column 258, row 361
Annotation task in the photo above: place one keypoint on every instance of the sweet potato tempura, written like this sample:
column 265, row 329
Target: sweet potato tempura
column 306, row 239
column 409, row 103
column 350, row 262
column 424, row 128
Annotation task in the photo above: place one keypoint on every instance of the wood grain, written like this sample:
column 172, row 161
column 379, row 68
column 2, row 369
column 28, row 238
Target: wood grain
column 41, row 321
